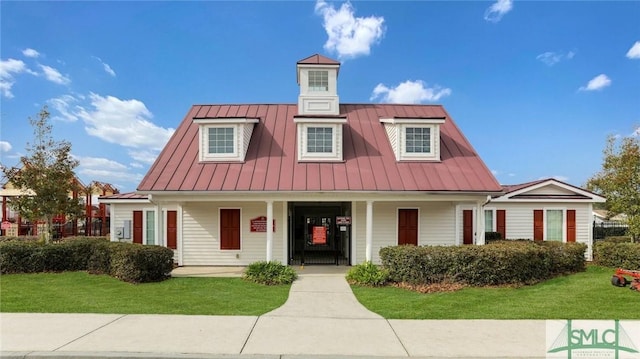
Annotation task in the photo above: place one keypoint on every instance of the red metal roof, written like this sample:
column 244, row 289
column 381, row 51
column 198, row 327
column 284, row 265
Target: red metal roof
column 318, row 59
column 128, row 195
column 271, row 164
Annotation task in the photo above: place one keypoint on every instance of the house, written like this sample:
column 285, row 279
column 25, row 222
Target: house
column 547, row 209
column 313, row 182
column 317, row 181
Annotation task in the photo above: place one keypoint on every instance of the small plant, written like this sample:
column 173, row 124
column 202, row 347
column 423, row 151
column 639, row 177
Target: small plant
column 270, row 273
column 367, row 274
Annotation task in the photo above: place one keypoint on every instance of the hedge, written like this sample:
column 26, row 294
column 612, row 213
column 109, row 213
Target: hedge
column 502, row 262
column 129, row 262
column 617, row 255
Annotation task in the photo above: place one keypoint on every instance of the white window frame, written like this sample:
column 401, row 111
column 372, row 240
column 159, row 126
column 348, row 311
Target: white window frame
column 417, row 155
column 337, row 138
column 234, row 134
column 205, row 155
column 220, row 231
column 494, row 224
column 145, row 228
column 333, row 142
column 318, row 89
column 564, row 223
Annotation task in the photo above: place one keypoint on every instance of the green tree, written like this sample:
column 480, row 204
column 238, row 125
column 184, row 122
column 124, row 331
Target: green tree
column 619, row 180
column 46, row 177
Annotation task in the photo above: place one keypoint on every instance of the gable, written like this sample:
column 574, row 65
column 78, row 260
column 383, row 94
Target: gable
column 550, row 190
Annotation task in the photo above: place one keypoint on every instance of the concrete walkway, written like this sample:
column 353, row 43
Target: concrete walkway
column 321, row 318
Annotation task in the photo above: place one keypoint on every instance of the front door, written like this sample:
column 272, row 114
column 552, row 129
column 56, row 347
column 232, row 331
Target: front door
column 408, row 226
column 315, row 237
column 467, row 226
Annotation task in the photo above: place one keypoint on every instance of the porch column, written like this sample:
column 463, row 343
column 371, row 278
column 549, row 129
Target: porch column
column 4, row 212
column 159, row 226
column 269, row 231
column 113, row 236
column 369, row 231
column 480, row 223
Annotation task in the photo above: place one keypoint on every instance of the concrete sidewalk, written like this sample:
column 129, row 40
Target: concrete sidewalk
column 321, row 318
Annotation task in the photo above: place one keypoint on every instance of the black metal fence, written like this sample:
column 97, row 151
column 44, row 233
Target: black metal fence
column 609, row 229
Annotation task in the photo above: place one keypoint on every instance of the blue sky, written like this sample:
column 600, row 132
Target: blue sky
column 535, row 86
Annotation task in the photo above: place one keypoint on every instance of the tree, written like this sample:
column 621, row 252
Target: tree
column 46, row 177
column 619, row 180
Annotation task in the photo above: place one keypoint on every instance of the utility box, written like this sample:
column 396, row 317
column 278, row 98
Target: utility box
column 120, row 232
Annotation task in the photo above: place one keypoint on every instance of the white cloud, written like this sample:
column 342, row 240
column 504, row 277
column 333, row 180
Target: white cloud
column 30, row 53
column 136, row 165
column 551, row 58
column 106, row 67
column 106, row 170
column 597, row 83
column 349, row 36
column 124, row 122
column 634, row 51
column 54, row 75
column 636, row 133
column 497, row 10
column 63, row 105
column 8, row 69
column 144, row 156
column 5, row 146
column 410, row 92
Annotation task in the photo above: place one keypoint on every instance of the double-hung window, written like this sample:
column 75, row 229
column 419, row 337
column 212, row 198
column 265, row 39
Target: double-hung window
column 553, row 224
column 150, row 227
column 488, row 220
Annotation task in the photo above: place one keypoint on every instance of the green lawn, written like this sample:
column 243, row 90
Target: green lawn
column 587, row 295
column 79, row 292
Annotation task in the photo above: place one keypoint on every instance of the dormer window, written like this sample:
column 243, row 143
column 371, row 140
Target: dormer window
column 318, row 81
column 319, row 139
column 224, row 139
column 414, row 139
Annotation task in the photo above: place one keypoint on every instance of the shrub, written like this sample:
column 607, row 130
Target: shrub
column 502, row 262
column 619, row 239
column 367, row 274
column 617, row 255
column 19, row 239
column 129, row 262
column 136, row 263
column 269, row 273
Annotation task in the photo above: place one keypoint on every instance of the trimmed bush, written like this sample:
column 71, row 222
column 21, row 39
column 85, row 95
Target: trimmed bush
column 136, row 263
column 617, row 255
column 19, row 239
column 619, row 239
column 502, row 262
column 269, row 273
column 133, row 263
column 367, row 274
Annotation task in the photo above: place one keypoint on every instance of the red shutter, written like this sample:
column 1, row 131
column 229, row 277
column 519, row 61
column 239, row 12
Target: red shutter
column 467, row 226
column 230, row 229
column 408, row 226
column 501, row 223
column 137, row 227
column 571, row 225
column 172, row 229
column 538, row 225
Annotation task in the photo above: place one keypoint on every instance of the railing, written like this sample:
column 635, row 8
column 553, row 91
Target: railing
column 609, row 229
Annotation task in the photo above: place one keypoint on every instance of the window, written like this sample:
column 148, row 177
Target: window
column 554, row 225
column 318, row 80
column 319, row 140
column 418, row 140
column 221, row 140
column 488, row 220
column 150, row 228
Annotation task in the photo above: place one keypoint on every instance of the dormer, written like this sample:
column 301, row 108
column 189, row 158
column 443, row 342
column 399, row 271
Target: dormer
column 414, row 138
column 224, row 139
column 318, row 80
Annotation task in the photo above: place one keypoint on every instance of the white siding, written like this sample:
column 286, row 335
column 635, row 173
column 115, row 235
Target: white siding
column 436, row 225
column 201, row 242
column 519, row 219
column 550, row 189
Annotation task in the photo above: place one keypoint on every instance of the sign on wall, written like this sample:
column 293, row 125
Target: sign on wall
column 342, row 220
column 259, row 224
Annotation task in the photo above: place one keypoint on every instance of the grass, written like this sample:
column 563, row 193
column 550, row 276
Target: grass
column 586, row 295
column 79, row 292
